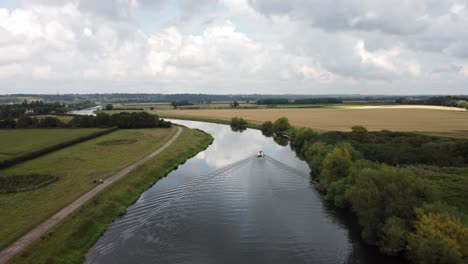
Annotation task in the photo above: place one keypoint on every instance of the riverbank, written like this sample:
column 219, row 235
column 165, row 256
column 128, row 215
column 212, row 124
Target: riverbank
column 69, row 240
column 77, row 168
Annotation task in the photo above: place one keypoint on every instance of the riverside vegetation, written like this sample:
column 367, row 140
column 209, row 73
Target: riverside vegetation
column 408, row 191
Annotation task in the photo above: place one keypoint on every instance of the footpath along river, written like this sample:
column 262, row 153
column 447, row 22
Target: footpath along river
column 226, row 206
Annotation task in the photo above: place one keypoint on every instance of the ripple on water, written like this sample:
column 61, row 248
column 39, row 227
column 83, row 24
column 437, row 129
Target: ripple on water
column 257, row 210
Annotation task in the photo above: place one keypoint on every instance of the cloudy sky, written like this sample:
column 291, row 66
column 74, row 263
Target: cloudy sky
column 234, row 46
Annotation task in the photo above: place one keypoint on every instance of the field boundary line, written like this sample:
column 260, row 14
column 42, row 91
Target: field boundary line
column 23, row 242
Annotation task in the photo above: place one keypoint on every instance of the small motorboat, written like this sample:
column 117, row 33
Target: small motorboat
column 260, row 154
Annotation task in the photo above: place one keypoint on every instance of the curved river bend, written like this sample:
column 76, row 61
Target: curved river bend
column 226, row 206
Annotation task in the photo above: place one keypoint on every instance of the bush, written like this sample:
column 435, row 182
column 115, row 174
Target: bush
column 120, row 120
column 24, row 122
column 281, row 126
column 380, row 193
column 267, row 128
column 438, row 238
column 109, row 107
column 50, row 122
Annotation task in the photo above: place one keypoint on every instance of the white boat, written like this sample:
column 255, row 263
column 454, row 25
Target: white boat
column 260, row 154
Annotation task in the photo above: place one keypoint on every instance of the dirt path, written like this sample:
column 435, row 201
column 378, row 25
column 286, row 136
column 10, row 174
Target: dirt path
column 33, row 235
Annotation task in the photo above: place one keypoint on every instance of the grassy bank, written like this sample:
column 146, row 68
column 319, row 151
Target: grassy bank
column 70, row 240
column 76, row 167
column 17, row 142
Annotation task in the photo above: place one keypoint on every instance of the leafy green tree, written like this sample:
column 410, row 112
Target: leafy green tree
column 281, row 126
column 336, row 165
column 267, row 128
column 393, row 236
column 235, row 104
column 109, row 107
column 359, row 133
column 438, row 238
column 380, row 193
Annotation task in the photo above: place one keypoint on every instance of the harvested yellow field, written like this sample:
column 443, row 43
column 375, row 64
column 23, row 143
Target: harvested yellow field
column 397, row 119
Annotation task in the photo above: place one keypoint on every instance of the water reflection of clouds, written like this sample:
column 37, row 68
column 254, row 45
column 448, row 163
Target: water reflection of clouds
column 229, row 147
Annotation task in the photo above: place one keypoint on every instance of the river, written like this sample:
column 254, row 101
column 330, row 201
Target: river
column 226, row 206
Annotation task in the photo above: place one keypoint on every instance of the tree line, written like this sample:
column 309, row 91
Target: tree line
column 453, row 101
column 399, row 210
column 33, row 108
column 280, row 101
column 120, row 120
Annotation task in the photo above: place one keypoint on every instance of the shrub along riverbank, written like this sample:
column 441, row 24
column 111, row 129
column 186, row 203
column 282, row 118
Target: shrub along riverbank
column 70, row 240
column 406, row 198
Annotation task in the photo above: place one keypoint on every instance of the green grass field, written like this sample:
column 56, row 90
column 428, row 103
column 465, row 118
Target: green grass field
column 70, row 240
column 16, row 142
column 76, row 167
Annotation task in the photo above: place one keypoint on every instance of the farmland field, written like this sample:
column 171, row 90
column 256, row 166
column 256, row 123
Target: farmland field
column 429, row 119
column 76, row 167
column 14, row 143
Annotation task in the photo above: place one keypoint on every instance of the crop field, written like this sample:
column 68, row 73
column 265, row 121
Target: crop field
column 14, row 143
column 76, row 167
column 434, row 119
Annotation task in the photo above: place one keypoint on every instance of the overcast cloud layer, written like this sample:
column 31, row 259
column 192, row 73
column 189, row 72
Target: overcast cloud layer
column 234, row 46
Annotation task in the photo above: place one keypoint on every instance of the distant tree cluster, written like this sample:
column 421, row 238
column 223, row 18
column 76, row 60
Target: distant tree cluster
column 281, row 101
column 121, row 120
column 453, row 101
column 176, row 104
column 40, row 108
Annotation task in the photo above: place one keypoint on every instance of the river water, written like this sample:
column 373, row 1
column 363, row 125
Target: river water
column 226, row 206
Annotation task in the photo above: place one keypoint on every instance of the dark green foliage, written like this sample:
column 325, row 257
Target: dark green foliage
column 120, row 120
column 50, row 122
column 8, row 123
column 238, row 124
column 378, row 194
column 109, row 107
column 24, row 121
column 235, row 104
column 393, row 235
column 267, row 128
column 454, row 101
column 40, row 108
column 281, row 126
column 277, row 101
column 175, row 104
column 359, row 133
column 273, row 101
column 300, row 137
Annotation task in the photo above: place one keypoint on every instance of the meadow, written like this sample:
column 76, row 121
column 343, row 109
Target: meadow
column 375, row 119
column 16, row 142
column 70, row 240
column 76, row 168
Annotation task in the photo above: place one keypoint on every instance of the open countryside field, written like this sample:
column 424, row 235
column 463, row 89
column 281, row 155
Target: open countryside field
column 69, row 240
column 76, row 166
column 396, row 119
column 16, row 142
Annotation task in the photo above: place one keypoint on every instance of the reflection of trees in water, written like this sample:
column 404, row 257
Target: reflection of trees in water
column 281, row 140
column 238, row 129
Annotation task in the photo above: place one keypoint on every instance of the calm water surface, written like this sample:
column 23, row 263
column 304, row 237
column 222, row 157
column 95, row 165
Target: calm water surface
column 226, row 206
